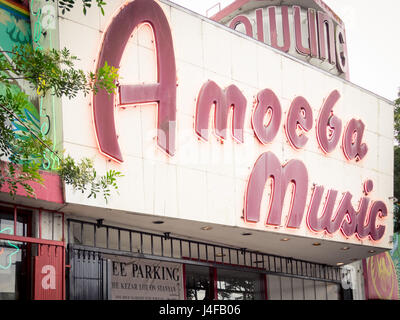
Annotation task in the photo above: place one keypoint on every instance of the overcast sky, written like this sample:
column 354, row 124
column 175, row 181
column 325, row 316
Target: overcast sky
column 373, row 37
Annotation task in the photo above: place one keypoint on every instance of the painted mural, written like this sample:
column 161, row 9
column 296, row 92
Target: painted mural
column 15, row 29
column 15, row 25
column 395, row 254
column 382, row 274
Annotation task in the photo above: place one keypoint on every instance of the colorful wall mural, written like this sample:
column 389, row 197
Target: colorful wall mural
column 382, row 274
column 15, row 27
column 395, row 254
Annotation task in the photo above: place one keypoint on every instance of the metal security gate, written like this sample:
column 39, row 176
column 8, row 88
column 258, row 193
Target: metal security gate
column 89, row 275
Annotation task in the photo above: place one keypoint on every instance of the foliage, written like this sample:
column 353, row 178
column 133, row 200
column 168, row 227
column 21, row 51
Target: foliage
column 47, row 72
column 54, row 70
column 67, row 5
column 397, row 119
column 396, row 213
column 82, row 175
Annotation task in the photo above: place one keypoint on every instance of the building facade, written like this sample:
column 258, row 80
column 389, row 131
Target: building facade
column 252, row 168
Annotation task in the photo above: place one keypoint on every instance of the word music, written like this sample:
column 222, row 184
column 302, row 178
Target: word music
column 330, row 131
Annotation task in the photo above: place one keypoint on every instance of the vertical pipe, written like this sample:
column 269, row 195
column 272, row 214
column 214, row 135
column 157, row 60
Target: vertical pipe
column 94, row 235
column 291, row 284
column 107, row 237
column 63, row 273
column 15, row 220
column 214, row 278
column 184, row 281
column 81, row 232
column 63, row 226
column 40, row 224
column 119, row 239
column 151, row 244
column 265, row 286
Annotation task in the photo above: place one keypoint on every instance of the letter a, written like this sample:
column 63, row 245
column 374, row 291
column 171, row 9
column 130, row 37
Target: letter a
column 49, row 280
column 163, row 92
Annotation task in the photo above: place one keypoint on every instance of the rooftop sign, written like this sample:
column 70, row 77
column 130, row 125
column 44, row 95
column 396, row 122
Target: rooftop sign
column 306, row 29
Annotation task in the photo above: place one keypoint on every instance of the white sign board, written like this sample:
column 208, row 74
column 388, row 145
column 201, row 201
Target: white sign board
column 144, row 279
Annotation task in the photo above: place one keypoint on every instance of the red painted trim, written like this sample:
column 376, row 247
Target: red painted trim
column 229, row 9
column 63, row 288
column 184, row 281
column 27, row 207
column 214, row 279
column 51, row 190
column 10, row 237
column 40, row 223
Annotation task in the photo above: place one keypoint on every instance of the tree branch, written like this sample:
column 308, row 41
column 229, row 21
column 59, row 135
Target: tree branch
column 30, row 131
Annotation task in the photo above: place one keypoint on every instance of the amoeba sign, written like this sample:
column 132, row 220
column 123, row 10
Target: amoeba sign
column 144, row 279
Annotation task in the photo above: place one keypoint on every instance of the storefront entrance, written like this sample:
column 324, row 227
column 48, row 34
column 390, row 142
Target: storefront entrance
column 108, row 263
column 31, row 268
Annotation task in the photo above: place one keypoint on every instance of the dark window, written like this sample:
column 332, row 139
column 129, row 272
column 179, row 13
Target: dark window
column 238, row 285
column 198, row 283
column 23, row 219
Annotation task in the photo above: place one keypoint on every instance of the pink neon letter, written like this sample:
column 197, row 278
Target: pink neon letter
column 268, row 166
column 285, row 26
column 314, row 222
column 245, row 21
column 353, row 147
column 164, row 92
column 211, row 93
column 327, row 121
column 299, row 117
column 297, row 30
column 377, row 208
column 326, row 29
column 341, row 51
column 267, row 101
column 312, row 32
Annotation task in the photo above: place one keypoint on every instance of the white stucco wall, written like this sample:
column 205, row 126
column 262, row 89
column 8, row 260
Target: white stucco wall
column 206, row 181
